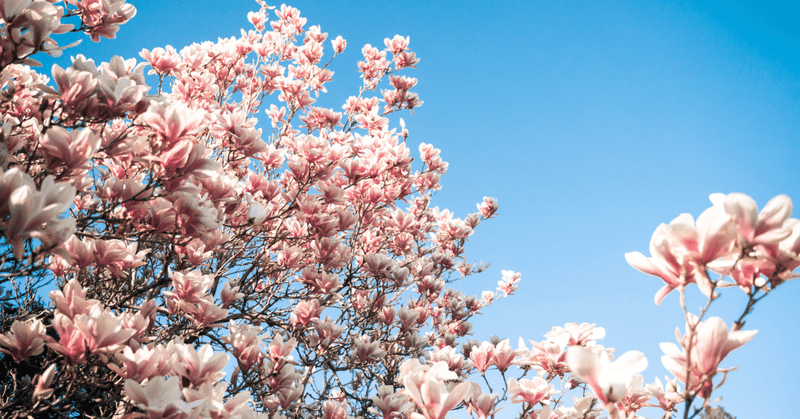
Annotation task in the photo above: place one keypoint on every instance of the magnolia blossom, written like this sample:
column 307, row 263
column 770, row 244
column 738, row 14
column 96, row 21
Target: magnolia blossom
column 391, row 404
column 548, row 355
column 103, row 19
column 97, row 331
column 332, row 409
column 579, row 334
column 508, row 285
column 198, row 367
column 425, row 386
column 455, row 361
column 339, row 44
column 34, row 212
column 766, row 227
column 710, row 343
column 42, row 389
column 160, row 398
column 504, row 356
column 488, row 207
column 24, row 340
column 609, row 380
column 481, row 357
column 364, row 350
column 73, row 148
column 732, row 238
column 769, row 239
column 173, row 123
column 143, row 363
column 483, row 405
column 33, row 23
column 668, row 397
column 529, row 391
column 681, row 249
column 245, row 343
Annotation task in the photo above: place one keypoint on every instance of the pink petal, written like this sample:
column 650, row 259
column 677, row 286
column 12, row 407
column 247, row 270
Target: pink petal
column 744, row 212
column 777, row 210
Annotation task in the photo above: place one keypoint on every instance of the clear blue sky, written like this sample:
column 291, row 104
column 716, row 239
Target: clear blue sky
column 591, row 122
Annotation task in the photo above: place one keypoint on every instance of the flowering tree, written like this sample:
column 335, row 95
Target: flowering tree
column 180, row 238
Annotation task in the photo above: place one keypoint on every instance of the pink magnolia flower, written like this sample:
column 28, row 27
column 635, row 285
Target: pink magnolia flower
column 305, row 313
column 397, row 44
column 787, row 254
column 332, row 409
column 483, row 405
column 42, row 389
column 257, row 19
column 327, row 332
column 681, row 250
column 579, row 334
column 230, row 293
column 365, row 350
column 504, row 356
column 391, row 405
column 770, row 239
column 488, row 207
column 86, row 326
column 245, row 344
column 206, row 313
column 173, row 122
column 79, row 252
column 481, row 357
column 75, row 87
column 281, row 378
column 287, row 395
column 548, row 355
column 117, row 256
column 11, row 180
column 177, row 156
column 425, row 386
column 766, row 240
column 387, row 314
column 208, row 401
column 508, row 285
column 406, row 59
column 339, row 44
column 160, row 398
column 71, row 342
column 486, row 298
column 33, row 23
column 143, row 363
column 455, row 361
column 198, row 367
column 71, row 300
column 609, row 380
column 25, row 339
column 668, row 396
column 102, row 19
column 280, row 351
column 709, row 346
column 162, row 60
column 529, row 391
column 35, row 213
column 102, row 330
column 754, row 227
column 189, row 287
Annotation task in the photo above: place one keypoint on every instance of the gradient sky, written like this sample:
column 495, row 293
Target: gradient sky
column 591, row 122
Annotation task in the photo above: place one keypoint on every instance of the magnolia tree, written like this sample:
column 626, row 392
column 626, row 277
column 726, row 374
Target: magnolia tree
column 202, row 267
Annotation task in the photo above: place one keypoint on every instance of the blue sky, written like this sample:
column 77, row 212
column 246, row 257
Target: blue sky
column 591, row 122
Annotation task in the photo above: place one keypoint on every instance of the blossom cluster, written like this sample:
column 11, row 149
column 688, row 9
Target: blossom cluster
column 757, row 250
column 181, row 235
column 306, row 256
